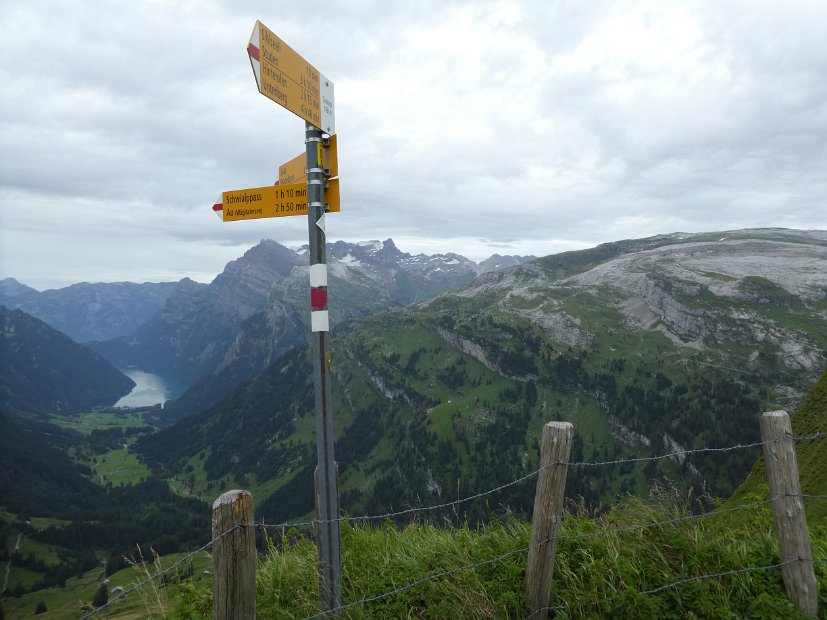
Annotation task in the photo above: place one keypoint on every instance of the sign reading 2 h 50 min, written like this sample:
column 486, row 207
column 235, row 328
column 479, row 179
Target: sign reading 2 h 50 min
column 288, row 79
column 272, row 201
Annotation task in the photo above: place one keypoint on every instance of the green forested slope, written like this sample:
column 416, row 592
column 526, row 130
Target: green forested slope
column 43, row 371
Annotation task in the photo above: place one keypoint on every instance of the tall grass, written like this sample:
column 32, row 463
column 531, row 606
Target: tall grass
column 152, row 594
column 605, row 565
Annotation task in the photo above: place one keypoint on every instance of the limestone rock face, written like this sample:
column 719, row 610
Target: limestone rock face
column 764, row 289
column 739, row 288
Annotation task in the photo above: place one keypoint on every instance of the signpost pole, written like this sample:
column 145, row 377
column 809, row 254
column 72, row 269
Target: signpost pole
column 330, row 579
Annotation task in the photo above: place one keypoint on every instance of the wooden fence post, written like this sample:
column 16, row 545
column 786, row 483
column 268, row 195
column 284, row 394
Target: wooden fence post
column 548, row 512
column 234, row 557
column 788, row 506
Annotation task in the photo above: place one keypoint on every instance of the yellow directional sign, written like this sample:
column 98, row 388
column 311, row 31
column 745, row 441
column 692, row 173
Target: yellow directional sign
column 296, row 169
column 332, row 200
column 288, row 79
column 273, row 201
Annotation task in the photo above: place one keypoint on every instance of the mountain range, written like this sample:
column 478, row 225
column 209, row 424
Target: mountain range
column 87, row 312
column 443, row 375
column 211, row 337
column 216, row 335
column 648, row 346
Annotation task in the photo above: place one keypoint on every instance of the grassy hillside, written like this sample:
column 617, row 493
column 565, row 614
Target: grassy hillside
column 617, row 565
column 419, row 419
column 810, row 419
column 672, row 556
column 73, row 600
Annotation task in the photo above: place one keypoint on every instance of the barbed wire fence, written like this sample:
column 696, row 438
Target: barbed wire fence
column 524, row 550
column 158, row 575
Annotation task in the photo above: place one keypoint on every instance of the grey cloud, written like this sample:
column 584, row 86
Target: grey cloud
column 531, row 125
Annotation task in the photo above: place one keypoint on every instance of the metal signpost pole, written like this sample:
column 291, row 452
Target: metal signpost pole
column 330, row 579
column 283, row 76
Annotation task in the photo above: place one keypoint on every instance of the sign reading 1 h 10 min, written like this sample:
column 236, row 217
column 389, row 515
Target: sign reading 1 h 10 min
column 273, row 201
column 289, row 80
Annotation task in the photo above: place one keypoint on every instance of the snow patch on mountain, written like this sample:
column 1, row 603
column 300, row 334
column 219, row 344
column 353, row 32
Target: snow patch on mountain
column 351, row 261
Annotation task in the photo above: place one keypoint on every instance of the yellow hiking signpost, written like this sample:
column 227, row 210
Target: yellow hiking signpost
column 307, row 184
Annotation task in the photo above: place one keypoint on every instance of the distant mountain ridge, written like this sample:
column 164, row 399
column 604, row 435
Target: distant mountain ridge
column 86, row 312
column 43, row 371
column 189, row 337
column 213, row 336
column 649, row 346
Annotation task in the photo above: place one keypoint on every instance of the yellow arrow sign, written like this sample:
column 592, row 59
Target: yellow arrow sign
column 288, row 79
column 273, row 201
column 295, row 169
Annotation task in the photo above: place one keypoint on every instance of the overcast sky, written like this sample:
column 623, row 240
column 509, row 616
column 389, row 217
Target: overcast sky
column 473, row 127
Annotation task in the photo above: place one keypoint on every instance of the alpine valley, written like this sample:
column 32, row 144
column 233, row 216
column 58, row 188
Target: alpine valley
column 444, row 371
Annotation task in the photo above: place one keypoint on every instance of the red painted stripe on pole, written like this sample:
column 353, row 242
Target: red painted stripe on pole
column 318, row 298
column 252, row 50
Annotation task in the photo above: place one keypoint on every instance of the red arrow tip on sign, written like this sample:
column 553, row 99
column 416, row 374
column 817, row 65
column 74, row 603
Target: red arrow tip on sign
column 252, row 50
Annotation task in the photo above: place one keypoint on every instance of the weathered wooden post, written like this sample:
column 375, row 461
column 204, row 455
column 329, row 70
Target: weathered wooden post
column 548, row 512
column 788, row 506
column 234, row 557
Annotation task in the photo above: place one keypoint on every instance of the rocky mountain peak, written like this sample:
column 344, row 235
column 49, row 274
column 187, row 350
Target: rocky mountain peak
column 367, row 252
column 496, row 261
column 12, row 289
column 247, row 281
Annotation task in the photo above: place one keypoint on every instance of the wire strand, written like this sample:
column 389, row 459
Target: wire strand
column 427, row 579
column 525, row 549
column 161, row 573
column 454, row 503
column 457, row 502
column 646, row 526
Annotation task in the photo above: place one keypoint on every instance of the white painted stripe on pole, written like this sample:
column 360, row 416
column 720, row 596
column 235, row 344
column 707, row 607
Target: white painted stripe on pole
column 318, row 275
column 319, row 321
column 320, row 223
